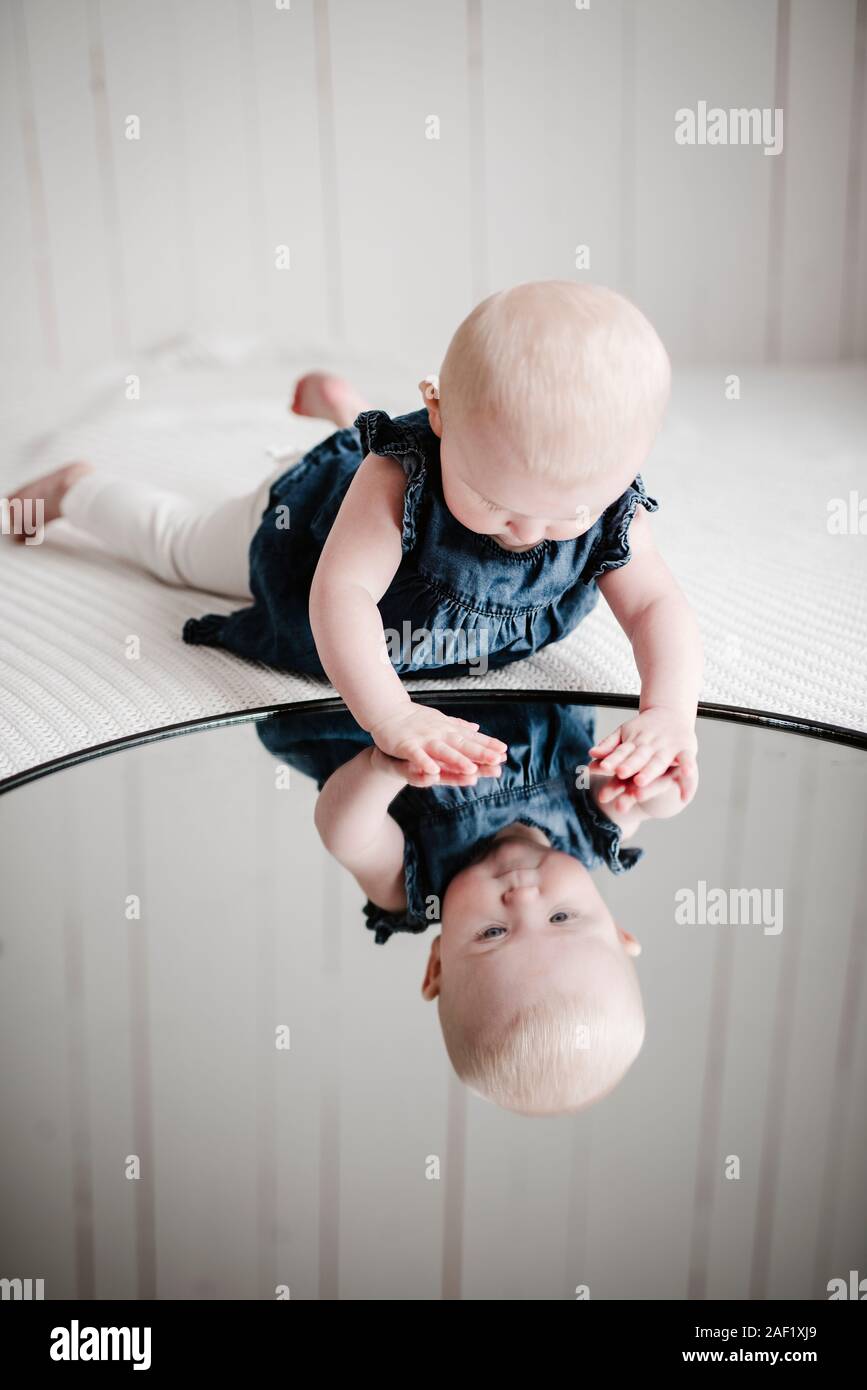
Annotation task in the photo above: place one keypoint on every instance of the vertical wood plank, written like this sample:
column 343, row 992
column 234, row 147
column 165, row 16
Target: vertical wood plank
column 28, row 324
column 216, row 135
column 820, row 906
column 777, row 216
column 98, row 801
column 657, row 1110
column 290, row 199
column 204, row 1026
column 141, row 80
column 37, row 1152
column 403, row 197
column 553, row 140
column 295, row 904
column 842, row 1222
column 701, row 211
column 57, row 42
column 817, row 142
column 853, row 307
column 393, row 1084
column 768, row 825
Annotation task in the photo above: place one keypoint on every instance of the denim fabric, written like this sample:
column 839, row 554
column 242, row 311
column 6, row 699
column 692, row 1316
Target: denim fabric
column 445, row 828
column 481, row 606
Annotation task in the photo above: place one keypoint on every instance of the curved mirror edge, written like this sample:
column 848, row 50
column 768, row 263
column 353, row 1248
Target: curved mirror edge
column 734, row 714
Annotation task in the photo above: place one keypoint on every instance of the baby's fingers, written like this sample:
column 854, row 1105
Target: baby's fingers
column 649, row 791
column 686, row 776
column 450, row 757
column 444, row 778
column 611, row 761
column 637, row 759
column 425, row 765
column 617, row 796
column 417, row 757
column 421, row 779
column 659, row 763
column 483, row 748
column 607, row 792
column 606, row 746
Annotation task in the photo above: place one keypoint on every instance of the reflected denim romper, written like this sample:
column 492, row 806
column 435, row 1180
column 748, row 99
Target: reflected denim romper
column 478, row 601
column 447, row 828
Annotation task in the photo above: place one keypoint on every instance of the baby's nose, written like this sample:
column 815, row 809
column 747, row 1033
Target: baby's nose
column 525, row 532
column 521, row 892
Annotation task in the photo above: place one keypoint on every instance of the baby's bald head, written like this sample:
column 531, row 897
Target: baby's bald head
column 538, row 996
column 573, row 374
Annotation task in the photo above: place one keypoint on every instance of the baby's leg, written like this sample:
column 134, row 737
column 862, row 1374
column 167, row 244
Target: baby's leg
column 180, row 541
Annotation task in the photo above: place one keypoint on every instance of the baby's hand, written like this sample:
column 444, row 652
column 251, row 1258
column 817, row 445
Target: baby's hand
column 402, row 771
column 429, row 742
column 660, row 799
column 647, row 746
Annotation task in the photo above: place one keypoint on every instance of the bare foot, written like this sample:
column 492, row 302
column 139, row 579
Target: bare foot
column 327, row 397
column 51, row 489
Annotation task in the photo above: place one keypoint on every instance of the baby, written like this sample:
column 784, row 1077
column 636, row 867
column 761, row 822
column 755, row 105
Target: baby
column 537, row 992
column 483, row 525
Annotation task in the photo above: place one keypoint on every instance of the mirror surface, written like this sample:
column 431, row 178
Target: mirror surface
column 216, row 1084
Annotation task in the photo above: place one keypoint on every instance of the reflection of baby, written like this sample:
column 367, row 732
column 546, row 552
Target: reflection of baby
column 491, row 518
column 539, row 999
column 537, row 992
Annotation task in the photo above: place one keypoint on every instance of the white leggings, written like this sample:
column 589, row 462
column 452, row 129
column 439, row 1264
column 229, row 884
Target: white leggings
column 200, row 546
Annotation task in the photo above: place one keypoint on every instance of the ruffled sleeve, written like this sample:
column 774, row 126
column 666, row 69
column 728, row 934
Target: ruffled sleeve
column 384, row 924
column 606, row 837
column 611, row 549
column 382, row 435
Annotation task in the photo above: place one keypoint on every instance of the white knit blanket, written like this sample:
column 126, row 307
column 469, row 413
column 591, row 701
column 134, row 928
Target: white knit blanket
column 744, row 488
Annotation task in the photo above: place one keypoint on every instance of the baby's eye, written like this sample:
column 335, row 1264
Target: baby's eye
column 485, row 933
column 562, row 916
column 491, row 506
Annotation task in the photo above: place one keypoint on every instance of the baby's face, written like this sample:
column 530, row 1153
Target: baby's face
column 490, row 491
column 524, row 920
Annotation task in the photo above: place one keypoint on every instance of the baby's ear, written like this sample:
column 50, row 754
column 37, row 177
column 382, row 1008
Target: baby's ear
column 630, row 945
column 430, row 986
column 430, row 394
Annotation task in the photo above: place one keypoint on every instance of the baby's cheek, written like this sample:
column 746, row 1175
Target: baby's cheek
column 567, row 533
column 474, row 518
column 459, row 512
column 571, row 874
column 460, row 904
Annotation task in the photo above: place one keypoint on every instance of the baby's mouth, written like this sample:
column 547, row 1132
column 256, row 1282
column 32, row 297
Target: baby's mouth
column 522, row 875
column 508, row 545
column 514, row 856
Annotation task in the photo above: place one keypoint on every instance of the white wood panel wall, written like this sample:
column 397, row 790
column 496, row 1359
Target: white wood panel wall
column 306, row 127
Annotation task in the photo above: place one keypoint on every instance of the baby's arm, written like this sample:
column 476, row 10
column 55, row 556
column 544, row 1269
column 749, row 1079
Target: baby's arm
column 358, row 562
column 354, row 825
column 650, row 607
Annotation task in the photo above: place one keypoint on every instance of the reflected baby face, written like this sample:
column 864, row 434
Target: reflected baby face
column 523, row 919
column 491, row 491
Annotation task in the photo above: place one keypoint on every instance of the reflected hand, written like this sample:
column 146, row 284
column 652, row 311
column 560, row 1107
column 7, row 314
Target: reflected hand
column 660, row 799
column 404, row 772
column 645, row 747
column 432, row 743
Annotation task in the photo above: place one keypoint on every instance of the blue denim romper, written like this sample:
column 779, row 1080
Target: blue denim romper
column 447, row 828
column 478, row 601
